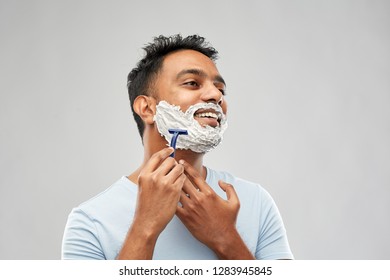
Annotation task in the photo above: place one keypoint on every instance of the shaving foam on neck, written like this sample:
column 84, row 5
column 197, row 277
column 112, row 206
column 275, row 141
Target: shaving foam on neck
column 200, row 139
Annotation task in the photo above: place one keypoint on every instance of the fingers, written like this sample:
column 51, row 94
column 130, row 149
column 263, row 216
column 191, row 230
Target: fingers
column 156, row 160
column 163, row 165
column 189, row 188
column 163, row 170
column 184, row 198
column 168, row 165
column 230, row 191
column 180, row 180
column 194, row 176
column 197, row 183
column 171, row 172
column 183, row 201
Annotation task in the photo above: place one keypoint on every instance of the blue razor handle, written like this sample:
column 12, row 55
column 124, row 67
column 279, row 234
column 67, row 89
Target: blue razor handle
column 176, row 132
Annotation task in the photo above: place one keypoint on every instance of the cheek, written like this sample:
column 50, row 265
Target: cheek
column 224, row 107
column 185, row 101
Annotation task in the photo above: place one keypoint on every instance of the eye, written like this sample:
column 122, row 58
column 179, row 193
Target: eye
column 191, row 83
column 221, row 87
column 222, row 90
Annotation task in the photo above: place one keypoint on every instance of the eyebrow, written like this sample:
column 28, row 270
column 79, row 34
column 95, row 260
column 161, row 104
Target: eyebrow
column 201, row 73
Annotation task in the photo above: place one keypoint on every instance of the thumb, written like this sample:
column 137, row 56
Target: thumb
column 229, row 190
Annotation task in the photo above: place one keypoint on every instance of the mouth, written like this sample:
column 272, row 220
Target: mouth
column 208, row 117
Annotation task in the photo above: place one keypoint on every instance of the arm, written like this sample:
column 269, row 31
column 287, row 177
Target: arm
column 211, row 219
column 160, row 183
column 272, row 241
column 80, row 240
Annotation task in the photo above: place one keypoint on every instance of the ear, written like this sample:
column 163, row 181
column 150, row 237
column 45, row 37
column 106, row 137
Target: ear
column 145, row 107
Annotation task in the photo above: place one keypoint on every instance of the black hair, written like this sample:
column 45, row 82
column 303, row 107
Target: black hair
column 141, row 78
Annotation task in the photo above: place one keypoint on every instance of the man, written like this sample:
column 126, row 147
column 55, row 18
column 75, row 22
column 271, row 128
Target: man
column 175, row 207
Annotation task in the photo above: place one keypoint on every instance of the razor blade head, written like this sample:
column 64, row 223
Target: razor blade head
column 178, row 131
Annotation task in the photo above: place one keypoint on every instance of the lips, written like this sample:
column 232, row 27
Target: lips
column 208, row 117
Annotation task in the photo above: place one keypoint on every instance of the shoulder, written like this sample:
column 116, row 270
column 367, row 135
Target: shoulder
column 109, row 201
column 95, row 228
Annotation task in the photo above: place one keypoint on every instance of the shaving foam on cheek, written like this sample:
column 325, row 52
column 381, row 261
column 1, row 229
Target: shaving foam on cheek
column 200, row 139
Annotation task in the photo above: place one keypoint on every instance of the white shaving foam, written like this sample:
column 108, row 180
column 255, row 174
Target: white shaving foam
column 200, row 139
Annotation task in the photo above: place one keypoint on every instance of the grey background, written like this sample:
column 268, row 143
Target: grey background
column 308, row 93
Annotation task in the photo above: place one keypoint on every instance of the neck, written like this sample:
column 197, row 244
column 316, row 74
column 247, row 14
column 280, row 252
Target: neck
column 194, row 159
column 154, row 143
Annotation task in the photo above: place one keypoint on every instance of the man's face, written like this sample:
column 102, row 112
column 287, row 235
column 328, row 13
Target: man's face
column 188, row 77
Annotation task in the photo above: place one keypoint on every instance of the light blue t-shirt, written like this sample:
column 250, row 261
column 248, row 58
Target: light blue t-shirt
column 98, row 227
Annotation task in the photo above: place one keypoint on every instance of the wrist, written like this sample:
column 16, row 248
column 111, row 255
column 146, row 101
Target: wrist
column 144, row 230
column 223, row 246
column 139, row 243
column 232, row 247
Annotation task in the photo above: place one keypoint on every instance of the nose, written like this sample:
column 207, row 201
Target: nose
column 213, row 94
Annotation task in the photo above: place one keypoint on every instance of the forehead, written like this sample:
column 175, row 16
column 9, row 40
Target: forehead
column 188, row 59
